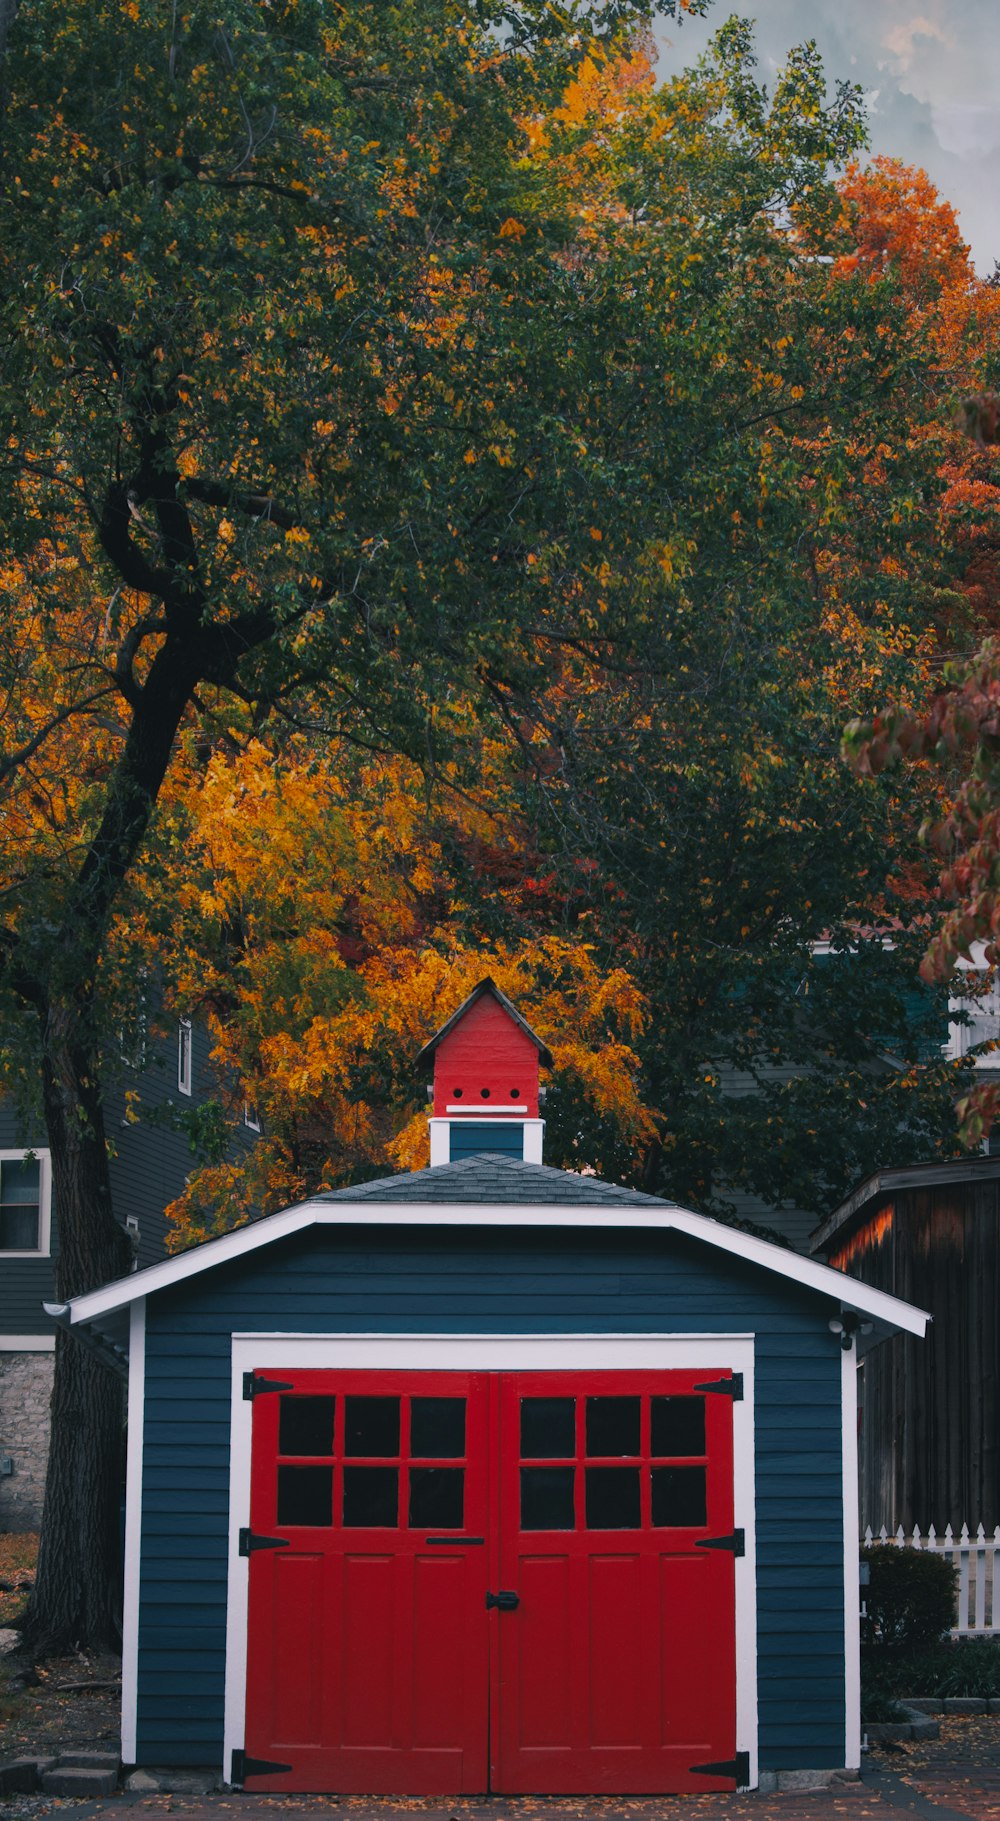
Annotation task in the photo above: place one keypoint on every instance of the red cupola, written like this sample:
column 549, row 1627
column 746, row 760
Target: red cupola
column 486, row 1095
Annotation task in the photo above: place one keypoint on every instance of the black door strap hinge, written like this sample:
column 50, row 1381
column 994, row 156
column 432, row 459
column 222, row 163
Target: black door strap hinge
column 730, row 1387
column 253, row 1385
column 249, row 1542
column 738, row 1768
column 504, row 1601
column 736, row 1541
column 244, row 1767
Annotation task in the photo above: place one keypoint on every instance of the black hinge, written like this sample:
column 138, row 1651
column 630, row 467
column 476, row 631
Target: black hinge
column 244, row 1767
column 730, row 1387
column 738, row 1768
column 253, row 1385
column 504, row 1601
column 249, row 1542
column 736, row 1541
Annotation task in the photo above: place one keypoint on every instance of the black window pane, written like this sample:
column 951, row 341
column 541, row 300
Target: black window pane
column 547, row 1498
column 305, row 1495
column 613, row 1425
column 371, row 1425
column 679, row 1496
column 437, row 1427
column 305, row 1425
column 371, row 1497
column 678, row 1425
column 548, row 1427
column 19, row 1183
column 18, row 1229
column 437, row 1498
column 613, row 1498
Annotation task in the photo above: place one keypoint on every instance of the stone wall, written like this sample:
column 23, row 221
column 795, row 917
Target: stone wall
column 25, row 1390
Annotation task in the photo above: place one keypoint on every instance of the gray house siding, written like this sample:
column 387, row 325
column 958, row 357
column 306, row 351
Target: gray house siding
column 150, row 1164
column 149, row 1167
column 343, row 1280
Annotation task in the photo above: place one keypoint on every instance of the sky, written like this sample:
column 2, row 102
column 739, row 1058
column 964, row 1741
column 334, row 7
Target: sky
column 930, row 70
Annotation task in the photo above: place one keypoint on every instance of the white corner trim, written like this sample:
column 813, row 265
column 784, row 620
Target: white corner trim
column 133, row 1529
column 846, row 1291
column 26, row 1343
column 495, row 1352
column 852, row 1589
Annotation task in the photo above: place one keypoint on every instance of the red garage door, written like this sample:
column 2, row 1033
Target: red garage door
column 463, row 1582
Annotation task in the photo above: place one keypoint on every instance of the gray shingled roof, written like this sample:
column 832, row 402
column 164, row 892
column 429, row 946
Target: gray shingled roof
column 488, row 1177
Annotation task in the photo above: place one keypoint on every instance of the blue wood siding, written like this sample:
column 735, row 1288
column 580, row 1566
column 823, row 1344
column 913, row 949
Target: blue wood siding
column 346, row 1280
column 466, row 1140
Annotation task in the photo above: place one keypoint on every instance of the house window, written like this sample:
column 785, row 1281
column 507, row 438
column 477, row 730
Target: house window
column 24, row 1202
column 184, row 1056
column 982, row 1012
column 133, row 1036
column 251, row 1117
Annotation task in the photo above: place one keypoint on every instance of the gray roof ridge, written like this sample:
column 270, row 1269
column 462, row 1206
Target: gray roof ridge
column 536, row 1179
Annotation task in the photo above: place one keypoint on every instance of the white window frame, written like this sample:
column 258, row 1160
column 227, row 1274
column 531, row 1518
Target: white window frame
column 185, row 1055
column 440, row 1131
column 963, row 1037
column 491, row 1353
column 44, row 1161
column 251, row 1117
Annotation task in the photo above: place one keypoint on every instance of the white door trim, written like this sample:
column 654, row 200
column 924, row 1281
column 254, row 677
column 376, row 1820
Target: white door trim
column 495, row 1353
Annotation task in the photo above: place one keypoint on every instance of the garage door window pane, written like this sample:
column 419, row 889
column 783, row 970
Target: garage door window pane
column 678, row 1425
column 547, row 1498
column 679, row 1497
column 437, row 1427
column 437, row 1498
column 548, row 1427
column 305, row 1496
column 613, row 1498
column 371, row 1498
column 305, row 1425
column 613, row 1425
column 371, row 1425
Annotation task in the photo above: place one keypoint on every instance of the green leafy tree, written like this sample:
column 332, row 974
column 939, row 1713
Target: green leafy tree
column 756, row 499
column 288, row 340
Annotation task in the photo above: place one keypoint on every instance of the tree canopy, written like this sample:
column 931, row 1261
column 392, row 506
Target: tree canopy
column 456, row 489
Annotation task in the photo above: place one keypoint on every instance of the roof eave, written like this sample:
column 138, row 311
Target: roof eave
column 847, row 1293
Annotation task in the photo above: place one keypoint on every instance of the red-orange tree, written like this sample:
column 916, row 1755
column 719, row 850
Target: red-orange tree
column 950, row 737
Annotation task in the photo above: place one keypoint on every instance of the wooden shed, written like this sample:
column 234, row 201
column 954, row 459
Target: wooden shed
column 491, row 1477
column 930, row 1429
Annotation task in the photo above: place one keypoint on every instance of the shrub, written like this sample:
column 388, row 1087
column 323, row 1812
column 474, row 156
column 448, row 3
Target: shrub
column 910, row 1598
column 965, row 1666
column 878, row 1708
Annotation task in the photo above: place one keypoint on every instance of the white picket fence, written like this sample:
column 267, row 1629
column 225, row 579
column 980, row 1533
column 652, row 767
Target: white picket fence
column 975, row 1557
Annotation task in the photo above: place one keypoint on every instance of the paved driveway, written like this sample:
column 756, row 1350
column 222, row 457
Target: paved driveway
column 954, row 1778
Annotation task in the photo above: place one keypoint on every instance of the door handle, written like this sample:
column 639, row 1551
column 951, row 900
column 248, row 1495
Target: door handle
column 504, row 1601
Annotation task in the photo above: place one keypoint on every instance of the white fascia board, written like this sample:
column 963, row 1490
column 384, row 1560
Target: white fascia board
column 848, row 1292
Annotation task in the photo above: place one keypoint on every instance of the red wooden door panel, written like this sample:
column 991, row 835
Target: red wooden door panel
column 617, row 1668
column 386, row 1505
column 367, row 1640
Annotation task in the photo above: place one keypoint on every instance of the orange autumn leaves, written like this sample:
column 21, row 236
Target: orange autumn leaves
column 320, row 932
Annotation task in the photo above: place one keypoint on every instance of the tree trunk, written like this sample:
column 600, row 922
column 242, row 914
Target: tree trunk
column 77, row 1597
